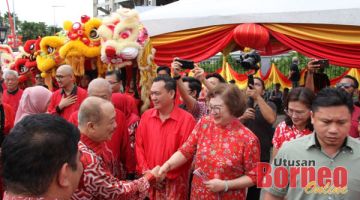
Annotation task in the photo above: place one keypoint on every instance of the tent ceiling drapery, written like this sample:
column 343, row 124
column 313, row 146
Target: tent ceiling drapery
column 189, row 14
column 198, row 29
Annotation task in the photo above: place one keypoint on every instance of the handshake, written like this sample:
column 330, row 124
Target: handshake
column 159, row 174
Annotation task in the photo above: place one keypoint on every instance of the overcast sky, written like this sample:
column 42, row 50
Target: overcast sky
column 44, row 10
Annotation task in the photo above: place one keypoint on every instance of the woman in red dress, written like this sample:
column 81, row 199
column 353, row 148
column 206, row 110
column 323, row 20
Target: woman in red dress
column 297, row 122
column 225, row 152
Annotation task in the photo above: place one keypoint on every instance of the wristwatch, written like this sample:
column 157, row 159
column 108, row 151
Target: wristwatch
column 58, row 110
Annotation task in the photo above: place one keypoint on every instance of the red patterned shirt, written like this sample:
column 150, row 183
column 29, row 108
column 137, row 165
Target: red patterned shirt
column 284, row 133
column 118, row 144
column 225, row 153
column 97, row 181
column 9, row 196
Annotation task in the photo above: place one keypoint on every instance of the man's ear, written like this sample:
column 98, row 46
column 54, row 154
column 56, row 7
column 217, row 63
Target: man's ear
column 193, row 93
column 312, row 116
column 90, row 126
column 172, row 94
column 63, row 179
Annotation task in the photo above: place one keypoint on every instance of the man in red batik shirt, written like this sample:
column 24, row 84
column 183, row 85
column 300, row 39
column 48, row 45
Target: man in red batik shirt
column 162, row 130
column 68, row 98
column 122, row 155
column 13, row 93
column 97, row 123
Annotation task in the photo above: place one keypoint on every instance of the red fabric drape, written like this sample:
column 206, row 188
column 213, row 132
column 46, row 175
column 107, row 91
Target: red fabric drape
column 236, row 75
column 338, row 54
column 265, row 76
column 196, row 49
column 274, row 47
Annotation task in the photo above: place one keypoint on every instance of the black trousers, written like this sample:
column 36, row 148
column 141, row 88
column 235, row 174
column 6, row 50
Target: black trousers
column 253, row 193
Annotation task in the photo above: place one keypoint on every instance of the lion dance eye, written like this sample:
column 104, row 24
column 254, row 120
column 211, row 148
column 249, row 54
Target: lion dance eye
column 94, row 34
column 23, row 69
column 32, row 47
column 125, row 34
column 50, row 50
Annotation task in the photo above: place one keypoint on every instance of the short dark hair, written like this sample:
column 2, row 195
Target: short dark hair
column 261, row 81
column 328, row 97
column 118, row 75
column 166, row 68
column 217, row 76
column 356, row 83
column 306, row 97
column 194, row 84
column 34, row 152
column 232, row 96
column 170, row 83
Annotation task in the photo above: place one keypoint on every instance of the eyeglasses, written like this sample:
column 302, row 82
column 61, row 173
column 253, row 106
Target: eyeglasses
column 291, row 113
column 344, row 85
column 215, row 109
column 11, row 79
column 113, row 83
column 60, row 76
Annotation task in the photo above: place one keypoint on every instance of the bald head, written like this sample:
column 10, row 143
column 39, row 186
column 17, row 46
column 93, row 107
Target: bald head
column 91, row 110
column 100, row 87
column 65, row 69
column 295, row 59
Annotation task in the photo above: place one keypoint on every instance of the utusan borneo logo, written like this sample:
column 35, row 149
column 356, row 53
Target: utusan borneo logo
column 303, row 174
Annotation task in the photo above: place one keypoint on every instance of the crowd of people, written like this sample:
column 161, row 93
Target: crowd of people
column 201, row 138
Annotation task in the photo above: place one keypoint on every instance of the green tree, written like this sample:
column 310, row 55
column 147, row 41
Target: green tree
column 31, row 30
column 51, row 30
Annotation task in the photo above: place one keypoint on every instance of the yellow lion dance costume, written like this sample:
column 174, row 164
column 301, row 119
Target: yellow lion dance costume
column 124, row 43
column 82, row 50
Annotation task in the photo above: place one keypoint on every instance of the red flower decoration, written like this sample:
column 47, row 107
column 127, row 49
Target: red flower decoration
column 85, row 40
column 72, row 35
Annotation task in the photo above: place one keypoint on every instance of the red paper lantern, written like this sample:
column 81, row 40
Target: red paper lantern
column 251, row 35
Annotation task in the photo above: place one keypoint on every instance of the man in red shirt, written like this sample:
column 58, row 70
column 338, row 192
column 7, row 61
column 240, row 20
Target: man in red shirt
column 13, row 93
column 162, row 130
column 68, row 98
column 97, row 121
column 114, row 78
column 7, row 122
column 123, row 156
